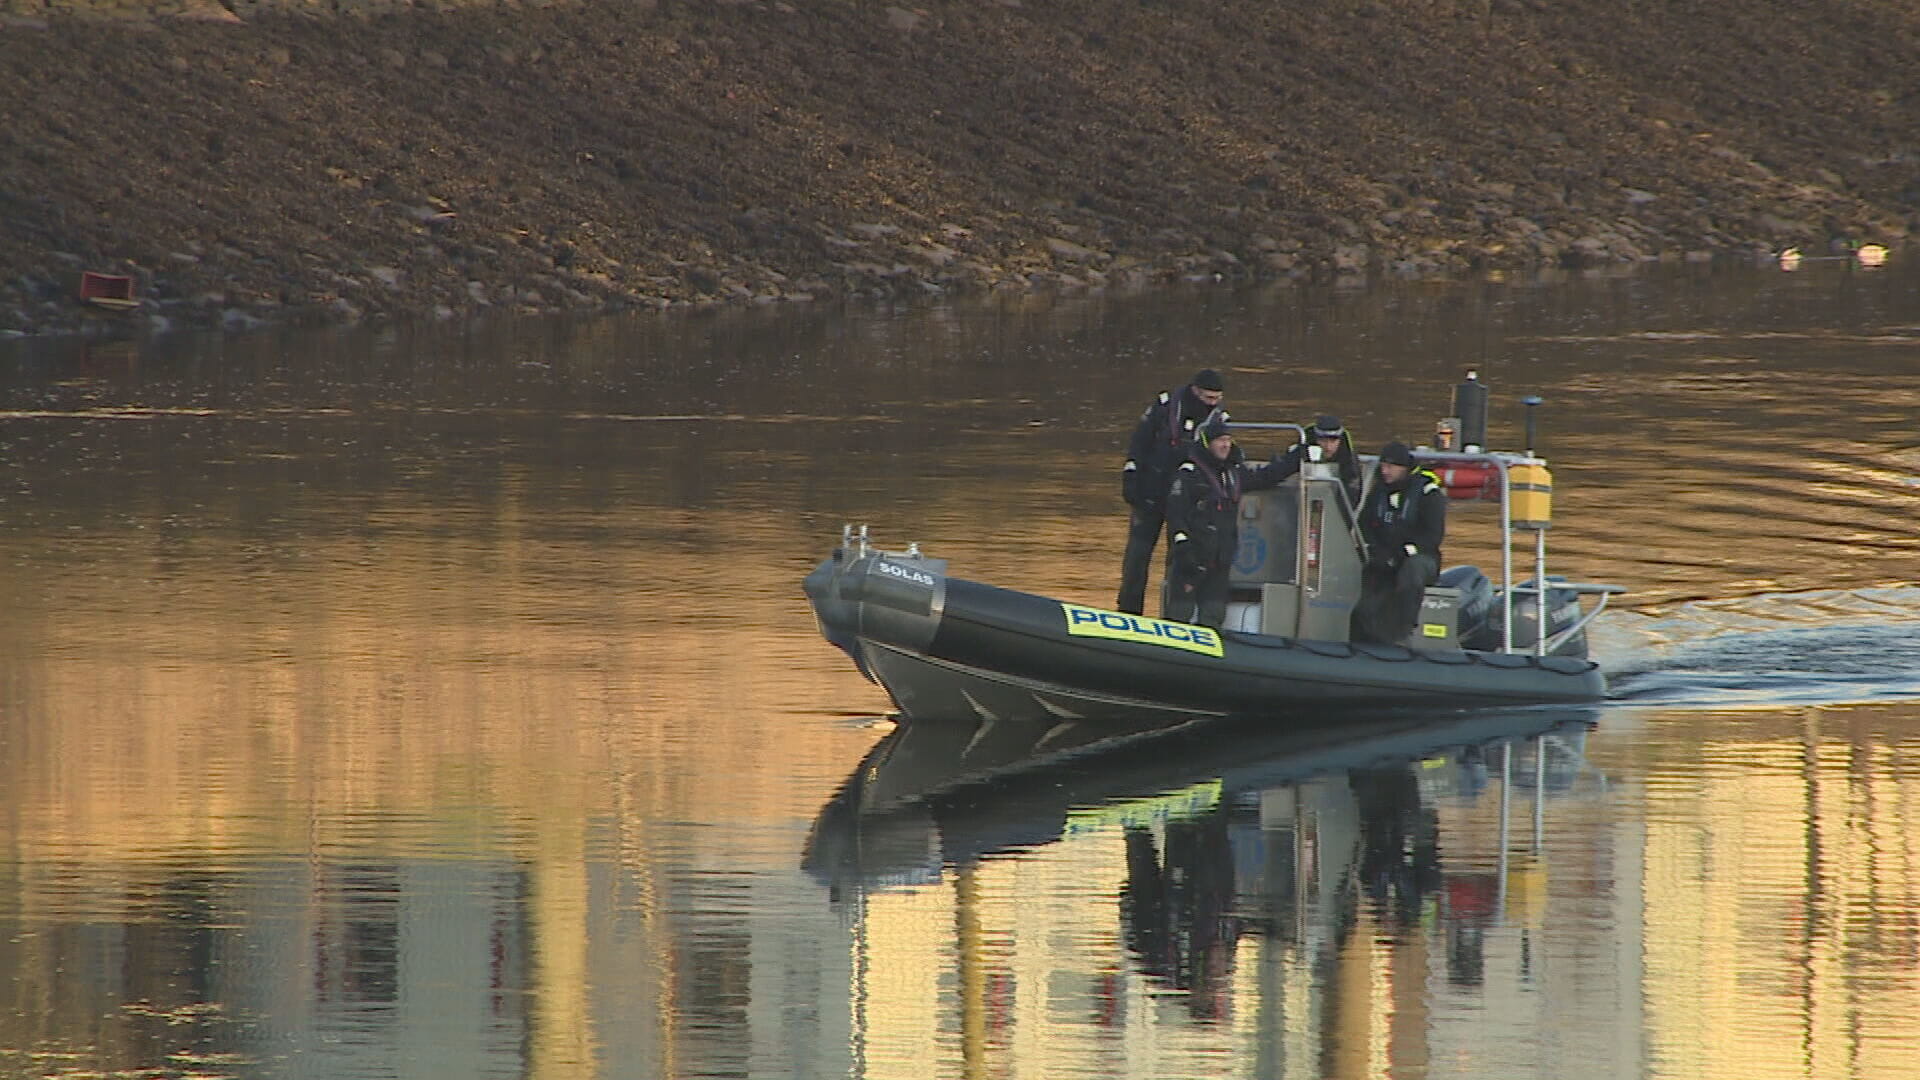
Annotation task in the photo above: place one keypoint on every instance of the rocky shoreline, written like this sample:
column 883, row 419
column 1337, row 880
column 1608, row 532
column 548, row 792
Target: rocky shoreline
column 292, row 167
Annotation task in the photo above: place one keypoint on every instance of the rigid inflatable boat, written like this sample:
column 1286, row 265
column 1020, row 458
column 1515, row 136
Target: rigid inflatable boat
column 945, row 646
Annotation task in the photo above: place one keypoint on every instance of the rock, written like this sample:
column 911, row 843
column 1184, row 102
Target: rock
column 1067, row 249
column 234, row 320
column 206, row 11
column 1589, row 249
column 935, row 254
column 1345, row 158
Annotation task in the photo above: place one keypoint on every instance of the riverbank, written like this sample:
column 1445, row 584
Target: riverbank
column 299, row 167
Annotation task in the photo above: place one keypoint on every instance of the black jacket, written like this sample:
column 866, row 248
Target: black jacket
column 1414, row 511
column 1203, row 505
column 1159, row 444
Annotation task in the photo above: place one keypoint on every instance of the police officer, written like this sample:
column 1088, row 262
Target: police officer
column 1159, row 444
column 1403, row 521
column 1203, row 522
column 1336, row 447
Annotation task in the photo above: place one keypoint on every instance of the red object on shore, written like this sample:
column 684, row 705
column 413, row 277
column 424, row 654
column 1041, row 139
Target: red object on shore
column 112, row 291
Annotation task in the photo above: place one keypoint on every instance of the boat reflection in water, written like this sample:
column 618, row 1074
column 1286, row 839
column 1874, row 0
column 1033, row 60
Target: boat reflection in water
column 1092, row 879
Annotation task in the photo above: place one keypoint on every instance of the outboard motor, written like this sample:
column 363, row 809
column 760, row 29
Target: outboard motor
column 1563, row 610
column 1476, row 611
column 1482, row 616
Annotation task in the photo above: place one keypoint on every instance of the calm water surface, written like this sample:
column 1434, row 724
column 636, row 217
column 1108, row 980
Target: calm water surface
column 442, row 703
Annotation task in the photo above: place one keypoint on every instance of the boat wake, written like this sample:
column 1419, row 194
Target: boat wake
column 1817, row 648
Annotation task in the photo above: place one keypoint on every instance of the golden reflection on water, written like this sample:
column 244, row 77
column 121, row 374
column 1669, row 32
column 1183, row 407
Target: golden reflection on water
column 1721, row 898
column 486, row 735
column 1782, row 886
column 459, row 686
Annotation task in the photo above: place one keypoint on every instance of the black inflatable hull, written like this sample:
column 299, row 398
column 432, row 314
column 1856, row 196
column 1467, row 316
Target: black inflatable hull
column 943, row 646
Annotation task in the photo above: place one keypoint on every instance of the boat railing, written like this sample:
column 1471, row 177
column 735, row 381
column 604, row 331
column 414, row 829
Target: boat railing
column 1536, row 584
column 1587, row 615
column 1300, row 433
column 858, row 544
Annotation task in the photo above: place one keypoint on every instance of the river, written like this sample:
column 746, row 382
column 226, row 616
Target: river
column 440, row 701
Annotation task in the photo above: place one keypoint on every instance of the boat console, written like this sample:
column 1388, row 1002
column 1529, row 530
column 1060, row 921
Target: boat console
column 1298, row 570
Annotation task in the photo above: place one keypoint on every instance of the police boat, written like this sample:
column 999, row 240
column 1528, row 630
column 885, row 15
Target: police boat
column 945, row 646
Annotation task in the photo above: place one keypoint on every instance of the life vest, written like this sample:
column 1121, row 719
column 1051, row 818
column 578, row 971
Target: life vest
column 1226, row 495
column 1394, row 507
column 1177, row 434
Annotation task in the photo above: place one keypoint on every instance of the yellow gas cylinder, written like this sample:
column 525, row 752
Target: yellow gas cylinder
column 1530, row 494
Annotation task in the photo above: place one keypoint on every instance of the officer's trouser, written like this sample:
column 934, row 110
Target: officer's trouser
column 1198, row 595
column 1390, row 600
column 1144, row 522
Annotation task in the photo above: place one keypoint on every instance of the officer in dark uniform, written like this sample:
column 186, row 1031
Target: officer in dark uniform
column 1336, row 447
column 1403, row 521
column 1159, row 444
column 1203, row 520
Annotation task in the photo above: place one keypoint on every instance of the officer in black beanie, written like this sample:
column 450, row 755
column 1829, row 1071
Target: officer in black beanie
column 1336, row 449
column 1203, row 523
column 1403, row 521
column 1159, row 444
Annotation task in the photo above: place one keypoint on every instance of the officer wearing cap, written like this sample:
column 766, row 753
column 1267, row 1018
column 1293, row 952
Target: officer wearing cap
column 1159, row 445
column 1403, row 521
column 1335, row 443
column 1203, row 523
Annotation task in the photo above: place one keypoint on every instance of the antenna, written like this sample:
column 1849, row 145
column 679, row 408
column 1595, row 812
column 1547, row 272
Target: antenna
column 1531, row 401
